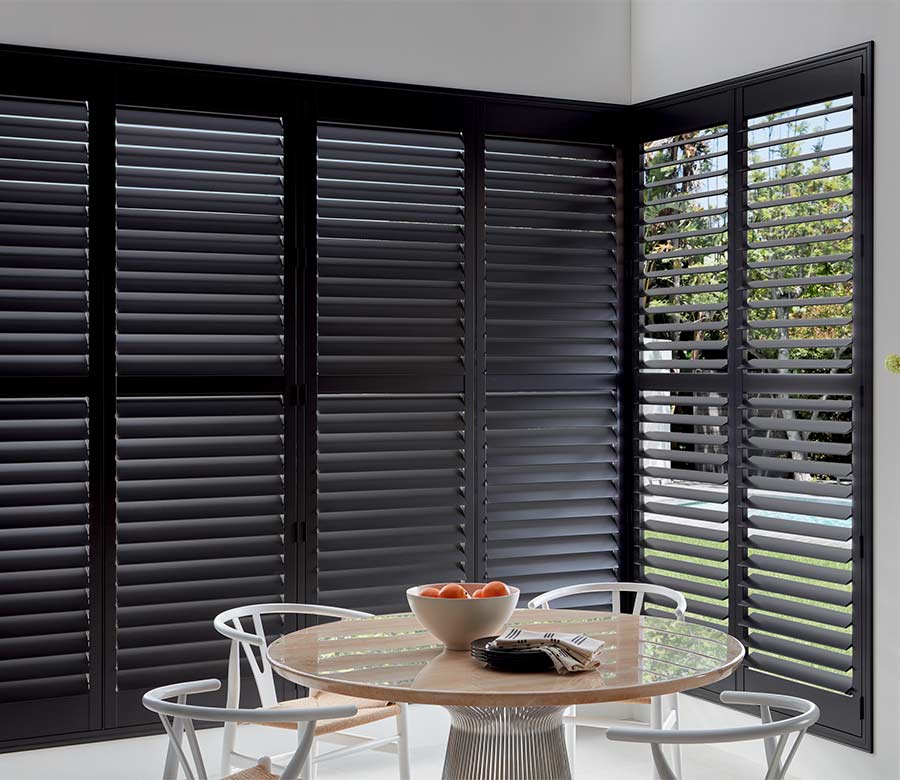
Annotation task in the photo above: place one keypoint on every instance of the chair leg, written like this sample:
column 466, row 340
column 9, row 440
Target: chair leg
column 228, row 740
column 403, row 752
column 571, row 733
column 676, row 749
column 312, row 766
column 656, row 722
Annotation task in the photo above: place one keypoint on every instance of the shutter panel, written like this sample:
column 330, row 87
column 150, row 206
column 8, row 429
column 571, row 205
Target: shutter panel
column 683, row 499
column 683, row 257
column 45, row 609
column 43, row 237
column 682, row 462
column 551, row 361
column 200, row 243
column 799, row 200
column 200, row 528
column 391, row 423
column 798, row 437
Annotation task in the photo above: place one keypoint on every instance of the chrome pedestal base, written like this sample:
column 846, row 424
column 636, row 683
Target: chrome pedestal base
column 506, row 743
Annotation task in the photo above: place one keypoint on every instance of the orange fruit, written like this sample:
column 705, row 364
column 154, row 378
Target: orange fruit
column 495, row 588
column 453, row 590
column 431, row 593
column 478, row 594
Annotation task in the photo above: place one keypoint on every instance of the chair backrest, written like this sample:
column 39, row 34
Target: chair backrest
column 775, row 734
column 178, row 720
column 639, row 589
column 254, row 645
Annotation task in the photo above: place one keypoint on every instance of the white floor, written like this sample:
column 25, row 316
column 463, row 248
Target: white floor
column 141, row 759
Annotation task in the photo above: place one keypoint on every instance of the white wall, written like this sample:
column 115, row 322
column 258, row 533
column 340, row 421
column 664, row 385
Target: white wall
column 564, row 48
column 710, row 40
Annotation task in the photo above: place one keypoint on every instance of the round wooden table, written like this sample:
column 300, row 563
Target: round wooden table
column 505, row 725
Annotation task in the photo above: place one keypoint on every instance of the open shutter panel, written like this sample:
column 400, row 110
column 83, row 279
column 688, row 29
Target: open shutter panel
column 797, row 438
column 682, row 412
column 200, row 528
column 45, row 610
column 43, row 237
column 682, row 501
column 683, row 252
column 391, row 406
column 199, row 233
column 551, row 334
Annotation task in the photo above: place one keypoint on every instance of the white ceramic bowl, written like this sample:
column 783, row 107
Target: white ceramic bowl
column 456, row 622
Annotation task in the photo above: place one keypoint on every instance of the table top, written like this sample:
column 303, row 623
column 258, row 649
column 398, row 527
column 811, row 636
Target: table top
column 392, row 658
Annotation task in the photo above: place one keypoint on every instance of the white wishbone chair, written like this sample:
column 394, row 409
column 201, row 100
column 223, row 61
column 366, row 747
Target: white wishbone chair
column 178, row 720
column 252, row 642
column 775, row 735
column 663, row 709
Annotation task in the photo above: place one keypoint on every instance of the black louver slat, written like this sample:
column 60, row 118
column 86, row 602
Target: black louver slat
column 551, row 358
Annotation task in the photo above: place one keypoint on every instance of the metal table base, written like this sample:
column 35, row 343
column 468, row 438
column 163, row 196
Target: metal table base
column 506, row 743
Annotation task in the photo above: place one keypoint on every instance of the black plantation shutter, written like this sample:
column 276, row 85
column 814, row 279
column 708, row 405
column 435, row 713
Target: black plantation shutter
column 551, row 329
column 802, row 358
column 753, row 307
column 200, row 470
column 682, row 274
column 391, row 421
column 46, row 682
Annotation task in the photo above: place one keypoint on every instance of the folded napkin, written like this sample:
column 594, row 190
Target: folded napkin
column 569, row 652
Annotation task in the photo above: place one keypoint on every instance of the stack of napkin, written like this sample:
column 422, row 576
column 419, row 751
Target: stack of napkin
column 569, row 652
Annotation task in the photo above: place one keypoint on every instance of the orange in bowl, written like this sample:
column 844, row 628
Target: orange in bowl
column 458, row 616
column 494, row 589
column 453, row 590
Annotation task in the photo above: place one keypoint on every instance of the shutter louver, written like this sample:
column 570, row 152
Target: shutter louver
column 551, row 361
column 799, row 200
column 45, row 609
column 683, row 257
column 391, row 423
column 199, row 226
column 43, row 237
column 682, row 498
column 200, row 528
column 798, row 438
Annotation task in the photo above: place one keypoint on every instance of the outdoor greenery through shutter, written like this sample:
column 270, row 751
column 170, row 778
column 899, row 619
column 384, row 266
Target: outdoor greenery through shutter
column 551, row 424
column 392, row 401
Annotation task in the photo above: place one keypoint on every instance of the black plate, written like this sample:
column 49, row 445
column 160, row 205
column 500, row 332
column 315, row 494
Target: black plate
column 512, row 659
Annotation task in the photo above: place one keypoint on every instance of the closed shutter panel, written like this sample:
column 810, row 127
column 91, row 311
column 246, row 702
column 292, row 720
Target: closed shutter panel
column 798, row 435
column 682, row 474
column 551, row 329
column 45, row 609
column 199, row 217
column 391, row 424
column 43, row 237
column 200, row 508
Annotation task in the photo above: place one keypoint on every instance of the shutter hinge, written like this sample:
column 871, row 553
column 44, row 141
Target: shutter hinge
column 297, row 532
column 296, row 395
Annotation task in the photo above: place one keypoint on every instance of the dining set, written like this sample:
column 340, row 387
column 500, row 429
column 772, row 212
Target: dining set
column 359, row 669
